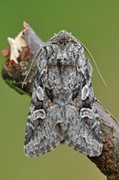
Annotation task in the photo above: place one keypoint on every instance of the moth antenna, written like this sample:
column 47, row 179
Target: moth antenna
column 95, row 64
column 25, row 79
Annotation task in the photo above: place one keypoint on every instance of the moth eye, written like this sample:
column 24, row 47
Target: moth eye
column 49, row 93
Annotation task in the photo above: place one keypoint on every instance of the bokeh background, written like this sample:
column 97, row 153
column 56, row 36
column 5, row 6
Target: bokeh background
column 96, row 24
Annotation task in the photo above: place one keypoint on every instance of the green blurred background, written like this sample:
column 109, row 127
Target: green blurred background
column 96, row 24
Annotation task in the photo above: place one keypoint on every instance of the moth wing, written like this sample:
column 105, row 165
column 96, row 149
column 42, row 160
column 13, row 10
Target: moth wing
column 42, row 134
column 84, row 132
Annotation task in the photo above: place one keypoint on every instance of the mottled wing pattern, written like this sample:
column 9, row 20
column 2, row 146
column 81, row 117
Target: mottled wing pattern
column 62, row 107
column 84, row 132
column 42, row 133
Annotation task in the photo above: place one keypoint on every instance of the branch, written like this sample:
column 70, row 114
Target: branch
column 19, row 57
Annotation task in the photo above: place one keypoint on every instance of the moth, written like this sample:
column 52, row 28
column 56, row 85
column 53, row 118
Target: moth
column 62, row 107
